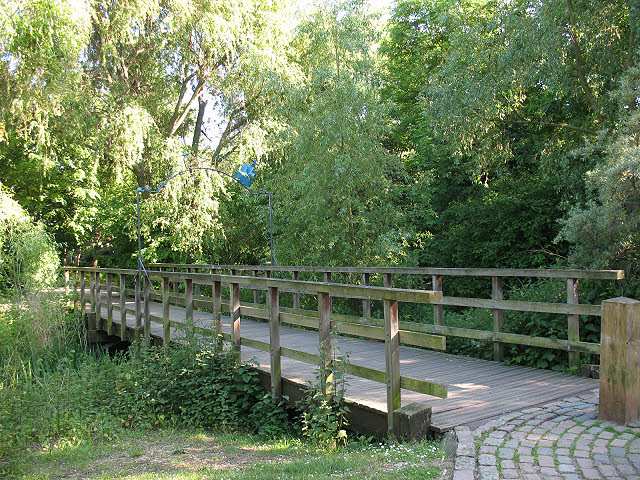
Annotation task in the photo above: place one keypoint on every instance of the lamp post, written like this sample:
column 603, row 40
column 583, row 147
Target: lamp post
column 140, row 190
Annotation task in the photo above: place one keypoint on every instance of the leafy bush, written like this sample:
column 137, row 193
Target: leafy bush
column 195, row 385
column 28, row 258
column 324, row 413
column 53, row 387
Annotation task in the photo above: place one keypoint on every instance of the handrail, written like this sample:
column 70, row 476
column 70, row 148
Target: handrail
column 391, row 333
column 461, row 272
column 366, row 293
column 571, row 308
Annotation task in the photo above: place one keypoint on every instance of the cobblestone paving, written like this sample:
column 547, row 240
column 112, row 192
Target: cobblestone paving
column 562, row 440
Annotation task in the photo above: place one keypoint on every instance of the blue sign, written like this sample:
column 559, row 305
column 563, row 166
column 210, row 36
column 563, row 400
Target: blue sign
column 245, row 174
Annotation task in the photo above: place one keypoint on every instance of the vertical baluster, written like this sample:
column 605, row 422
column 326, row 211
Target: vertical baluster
column 147, row 309
column 176, row 284
column 274, row 341
column 216, row 288
column 83, row 298
column 326, row 352
column 188, row 299
column 235, row 317
column 109, row 304
column 392, row 357
column 196, row 286
column 436, row 281
column 267, row 274
column 92, row 290
column 166, row 320
column 98, row 307
column 366, row 303
column 75, row 291
column 123, row 307
column 573, row 321
column 138, row 308
column 256, row 292
column 296, row 295
column 498, row 318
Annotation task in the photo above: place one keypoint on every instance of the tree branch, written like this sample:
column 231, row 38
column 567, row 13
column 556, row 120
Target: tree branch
column 183, row 91
column 579, row 60
column 176, row 122
column 557, row 125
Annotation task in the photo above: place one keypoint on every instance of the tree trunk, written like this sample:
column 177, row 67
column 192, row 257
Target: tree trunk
column 202, row 105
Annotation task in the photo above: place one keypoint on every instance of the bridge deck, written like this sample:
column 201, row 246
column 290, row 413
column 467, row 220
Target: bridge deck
column 478, row 389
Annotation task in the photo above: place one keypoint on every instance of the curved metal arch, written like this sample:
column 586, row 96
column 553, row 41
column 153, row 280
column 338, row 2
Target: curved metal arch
column 163, row 184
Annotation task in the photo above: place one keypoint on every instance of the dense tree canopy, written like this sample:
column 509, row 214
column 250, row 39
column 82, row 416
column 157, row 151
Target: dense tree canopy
column 452, row 133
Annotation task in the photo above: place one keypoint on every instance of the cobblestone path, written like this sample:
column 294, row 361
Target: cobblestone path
column 562, row 440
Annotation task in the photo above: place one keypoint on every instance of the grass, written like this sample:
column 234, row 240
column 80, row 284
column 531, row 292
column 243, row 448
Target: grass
column 67, row 412
column 196, row 455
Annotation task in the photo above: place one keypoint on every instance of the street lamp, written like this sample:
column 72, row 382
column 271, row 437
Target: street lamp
column 163, row 184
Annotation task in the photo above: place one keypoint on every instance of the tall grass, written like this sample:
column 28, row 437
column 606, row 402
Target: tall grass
column 54, row 388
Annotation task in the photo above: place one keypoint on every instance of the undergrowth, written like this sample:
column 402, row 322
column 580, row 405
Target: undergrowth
column 53, row 388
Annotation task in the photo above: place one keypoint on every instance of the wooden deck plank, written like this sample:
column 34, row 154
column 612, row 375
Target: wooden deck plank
column 478, row 389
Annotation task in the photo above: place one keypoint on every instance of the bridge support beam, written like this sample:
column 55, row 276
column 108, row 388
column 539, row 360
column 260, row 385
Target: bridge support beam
column 620, row 361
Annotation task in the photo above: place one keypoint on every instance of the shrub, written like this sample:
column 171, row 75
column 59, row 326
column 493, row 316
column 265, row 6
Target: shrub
column 28, row 257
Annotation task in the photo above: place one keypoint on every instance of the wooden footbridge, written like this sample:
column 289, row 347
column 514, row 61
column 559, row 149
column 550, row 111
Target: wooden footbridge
column 398, row 377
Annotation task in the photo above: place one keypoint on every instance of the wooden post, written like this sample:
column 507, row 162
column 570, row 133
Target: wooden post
column 327, row 277
column 92, row 291
column 196, row 286
column 256, row 292
column 573, row 332
column 274, row 340
column 498, row 318
column 98, row 302
column 75, row 291
column 166, row 319
column 217, row 306
column 83, row 299
column 267, row 274
column 109, row 304
column 366, row 303
column 235, row 317
column 296, row 295
column 123, row 307
column 66, row 283
column 188, row 299
column 438, row 315
column 620, row 361
column 324, row 346
column 392, row 357
column 147, row 309
column 138, row 308
column 176, row 284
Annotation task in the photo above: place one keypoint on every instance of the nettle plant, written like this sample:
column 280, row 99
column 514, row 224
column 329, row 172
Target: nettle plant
column 324, row 412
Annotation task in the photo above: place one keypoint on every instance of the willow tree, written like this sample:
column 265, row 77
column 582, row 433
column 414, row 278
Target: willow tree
column 113, row 96
column 335, row 199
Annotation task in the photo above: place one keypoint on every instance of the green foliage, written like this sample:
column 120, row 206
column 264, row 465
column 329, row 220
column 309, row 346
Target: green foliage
column 332, row 175
column 53, row 388
column 28, row 257
column 323, row 408
column 604, row 230
column 195, row 385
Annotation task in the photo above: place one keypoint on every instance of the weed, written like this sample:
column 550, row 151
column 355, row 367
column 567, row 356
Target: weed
column 324, row 413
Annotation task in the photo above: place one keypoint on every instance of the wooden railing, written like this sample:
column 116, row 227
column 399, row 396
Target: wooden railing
column 497, row 304
column 323, row 320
